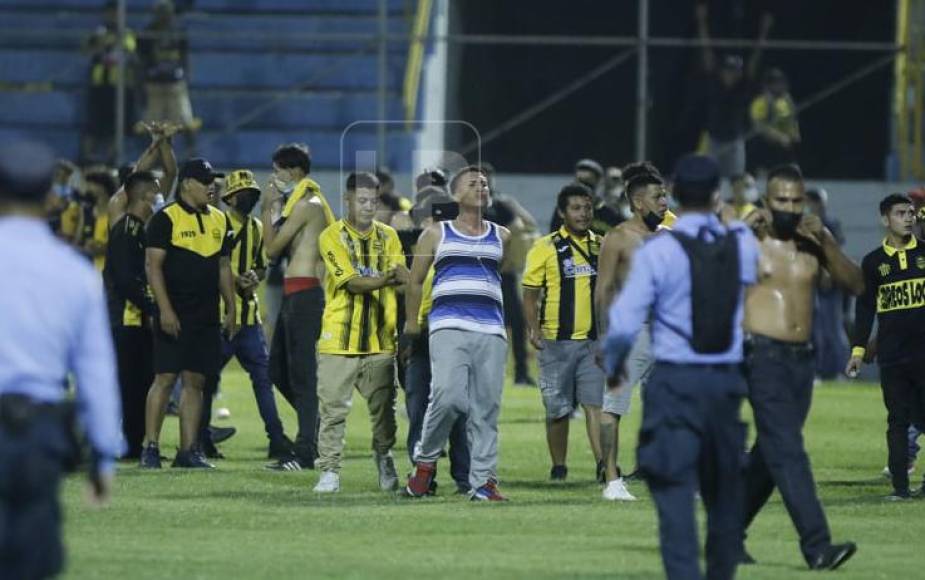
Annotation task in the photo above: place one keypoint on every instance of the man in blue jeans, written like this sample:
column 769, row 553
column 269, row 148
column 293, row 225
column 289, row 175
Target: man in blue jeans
column 249, row 266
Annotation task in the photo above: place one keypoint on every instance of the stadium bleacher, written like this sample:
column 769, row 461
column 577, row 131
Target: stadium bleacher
column 250, row 94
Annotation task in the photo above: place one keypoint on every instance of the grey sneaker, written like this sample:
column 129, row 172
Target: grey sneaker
column 388, row 477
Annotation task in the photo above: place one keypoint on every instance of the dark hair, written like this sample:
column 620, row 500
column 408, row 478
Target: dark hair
column 363, row 180
column 468, row 169
column 135, row 179
column 638, row 183
column 573, row 190
column 435, row 177
column 384, row 175
column 893, row 199
column 105, row 180
column 293, row 155
column 633, row 170
column 787, row 172
column 125, row 171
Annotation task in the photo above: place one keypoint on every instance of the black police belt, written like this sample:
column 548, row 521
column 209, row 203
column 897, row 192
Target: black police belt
column 19, row 413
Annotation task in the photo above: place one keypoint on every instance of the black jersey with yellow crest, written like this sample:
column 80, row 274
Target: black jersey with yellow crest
column 894, row 291
column 194, row 241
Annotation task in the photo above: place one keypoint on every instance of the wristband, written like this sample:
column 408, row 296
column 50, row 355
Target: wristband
column 858, row 351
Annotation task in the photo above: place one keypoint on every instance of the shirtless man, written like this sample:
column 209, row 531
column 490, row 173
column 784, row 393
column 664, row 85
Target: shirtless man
column 796, row 250
column 293, row 365
column 648, row 200
column 158, row 152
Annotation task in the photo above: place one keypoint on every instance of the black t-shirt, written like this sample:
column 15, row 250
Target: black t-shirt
column 727, row 108
column 163, row 54
column 124, row 274
column 194, row 242
column 894, row 292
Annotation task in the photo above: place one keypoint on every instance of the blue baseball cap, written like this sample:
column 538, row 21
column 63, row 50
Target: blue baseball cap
column 26, row 169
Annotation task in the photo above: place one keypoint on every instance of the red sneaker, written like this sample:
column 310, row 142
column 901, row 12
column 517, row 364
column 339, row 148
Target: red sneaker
column 421, row 481
column 488, row 492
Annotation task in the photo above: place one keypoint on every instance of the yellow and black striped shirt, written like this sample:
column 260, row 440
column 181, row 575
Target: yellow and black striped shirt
column 358, row 323
column 247, row 253
column 565, row 267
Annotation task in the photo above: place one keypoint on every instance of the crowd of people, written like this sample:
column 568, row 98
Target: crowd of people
column 411, row 293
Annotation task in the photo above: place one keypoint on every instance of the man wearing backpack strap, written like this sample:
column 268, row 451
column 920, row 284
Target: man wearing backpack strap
column 691, row 437
column 796, row 250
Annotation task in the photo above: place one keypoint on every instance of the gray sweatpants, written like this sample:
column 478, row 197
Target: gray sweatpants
column 467, row 378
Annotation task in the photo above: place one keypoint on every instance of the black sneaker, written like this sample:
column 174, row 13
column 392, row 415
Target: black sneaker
column 290, row 463
column 558, row 473
column 601, row 472
column 280, row 448
column 150, row 457
column 207, row 445
column 221, row 434
column 191, row 459
column 524, row 380
column 834, row 556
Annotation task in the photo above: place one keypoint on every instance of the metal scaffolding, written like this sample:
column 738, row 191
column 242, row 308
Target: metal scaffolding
column 908, row 52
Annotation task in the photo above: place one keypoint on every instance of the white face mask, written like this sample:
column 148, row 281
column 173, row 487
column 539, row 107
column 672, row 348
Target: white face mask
column 626, row 210
column 159, row 202
column 751, row 194
column 283, row 186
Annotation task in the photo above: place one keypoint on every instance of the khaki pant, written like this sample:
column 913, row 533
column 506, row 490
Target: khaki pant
column 374, row 377
column 169, row 102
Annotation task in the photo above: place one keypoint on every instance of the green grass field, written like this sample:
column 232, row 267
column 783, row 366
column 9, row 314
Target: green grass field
column 242, row 521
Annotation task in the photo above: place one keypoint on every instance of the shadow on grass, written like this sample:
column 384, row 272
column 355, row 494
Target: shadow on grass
column 879, row 481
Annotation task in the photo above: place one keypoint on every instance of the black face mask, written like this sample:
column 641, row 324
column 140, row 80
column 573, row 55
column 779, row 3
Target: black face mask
column 785, row 223
column 246, row 200
column 652, row 220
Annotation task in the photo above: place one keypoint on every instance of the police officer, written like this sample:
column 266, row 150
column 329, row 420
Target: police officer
column 691, row 436
column 54, row 324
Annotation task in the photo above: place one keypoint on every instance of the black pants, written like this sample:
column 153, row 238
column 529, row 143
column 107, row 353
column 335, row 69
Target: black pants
column 294, row 365
column 780, row 389
column 692, row 439
column 136, row 373
column 514, row 317
column 903, row 388
column 32, row 459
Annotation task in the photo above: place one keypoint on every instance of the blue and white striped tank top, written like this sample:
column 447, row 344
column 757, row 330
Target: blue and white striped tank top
column 467, row 282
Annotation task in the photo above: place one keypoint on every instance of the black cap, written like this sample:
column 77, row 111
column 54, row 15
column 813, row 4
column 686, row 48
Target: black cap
column 696, row 177
column 26, row 169
column 199, row 169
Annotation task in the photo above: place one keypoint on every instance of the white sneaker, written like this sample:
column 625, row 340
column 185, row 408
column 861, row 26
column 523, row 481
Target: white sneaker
column 616, row 491
column 886, row 470
column 329, row 482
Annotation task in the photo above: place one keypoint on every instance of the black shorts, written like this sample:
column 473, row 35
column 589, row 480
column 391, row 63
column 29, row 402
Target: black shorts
column 198, row 350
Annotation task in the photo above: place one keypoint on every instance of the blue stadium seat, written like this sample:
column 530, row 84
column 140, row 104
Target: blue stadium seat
column 311, row 71
column 33, row 66
column 219, row 109
column 40, row 109
column 301, row 6
column 254, row 148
